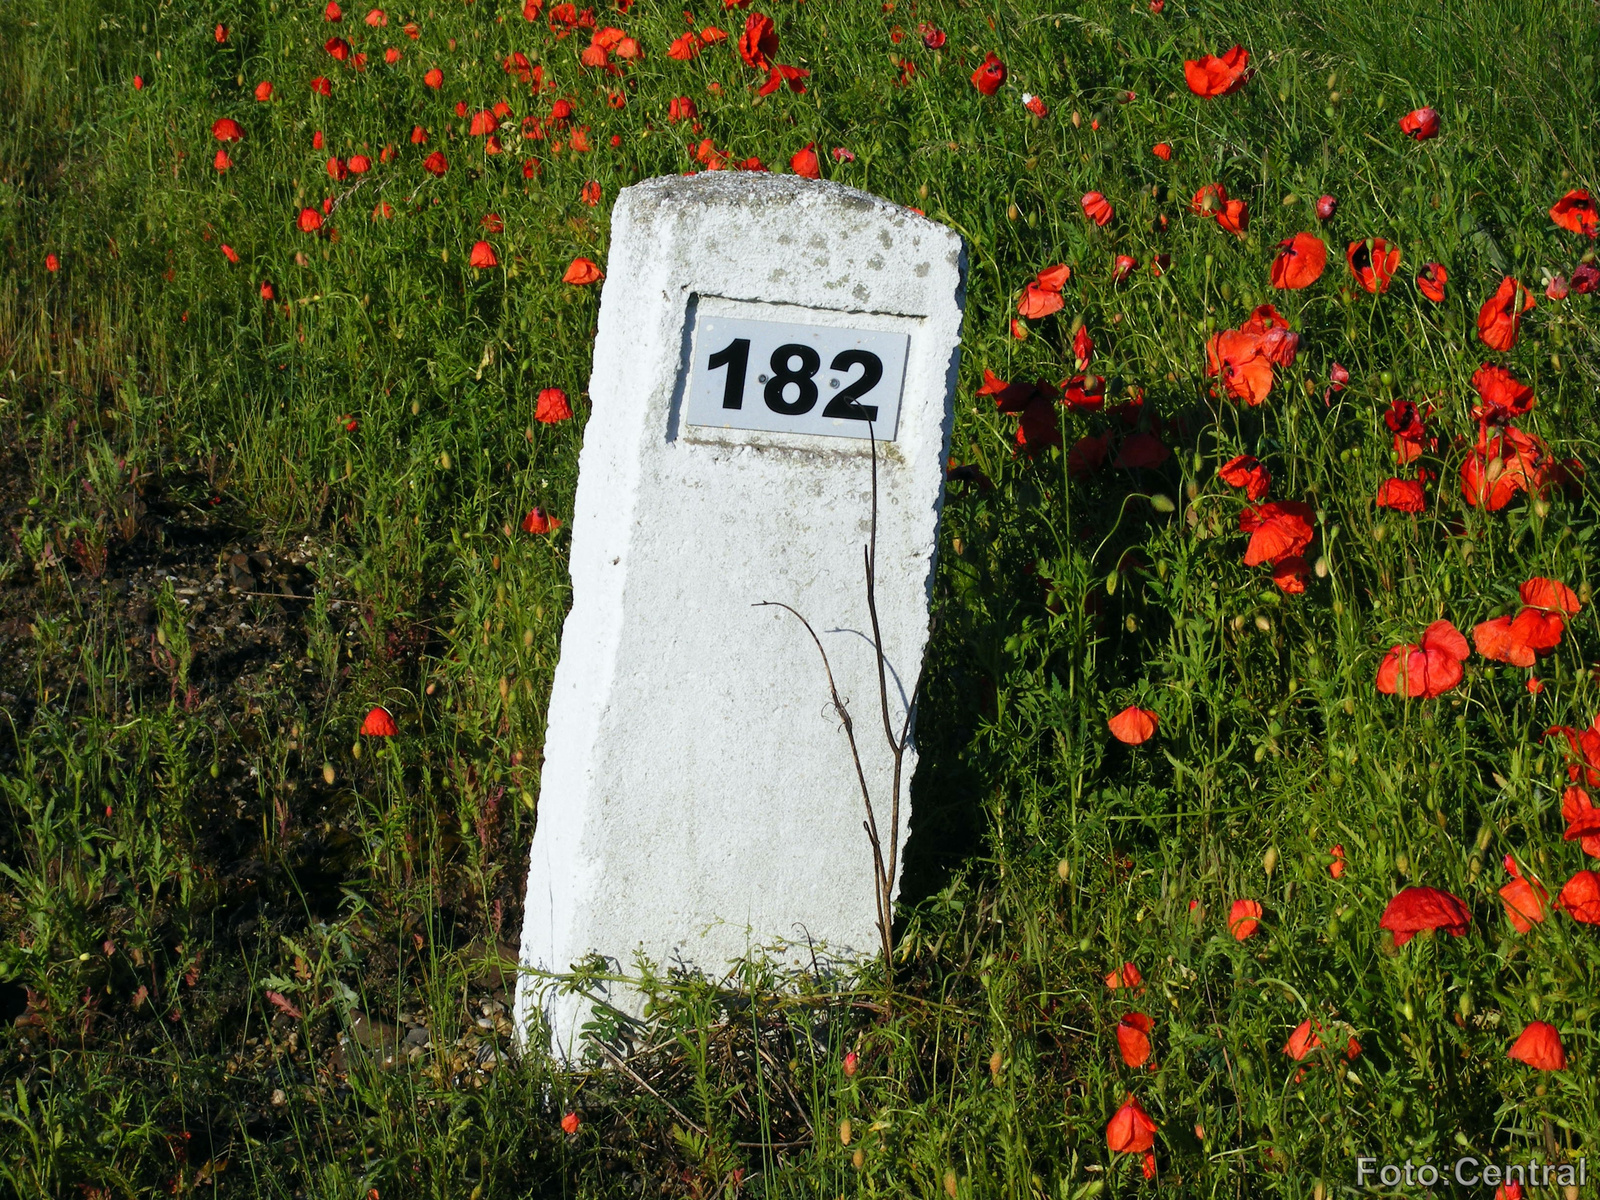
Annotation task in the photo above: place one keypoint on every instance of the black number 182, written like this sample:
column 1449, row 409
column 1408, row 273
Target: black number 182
column 802, row 378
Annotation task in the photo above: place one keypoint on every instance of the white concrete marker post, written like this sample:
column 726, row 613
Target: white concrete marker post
column 698, row 798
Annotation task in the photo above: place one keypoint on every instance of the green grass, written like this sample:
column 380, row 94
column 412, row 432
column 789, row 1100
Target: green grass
column 186, row 822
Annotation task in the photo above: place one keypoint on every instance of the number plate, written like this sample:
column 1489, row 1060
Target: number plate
column 785, row 377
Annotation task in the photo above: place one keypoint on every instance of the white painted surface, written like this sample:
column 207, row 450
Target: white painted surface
column 698, row 798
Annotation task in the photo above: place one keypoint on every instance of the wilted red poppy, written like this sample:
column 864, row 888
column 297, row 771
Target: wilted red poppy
column 1244, row 917
column 932, row 36
column 226, row 129
column 1082, row 347
column 310, row 220
column 1042, row 296
column 991, row 73
column 1526, row 901
column 552, row 407
column 1133, row 1038
column 1576, row 213
column 1336, row 867
column 1162, row 151
column 1402, row 495
column 1247, row 473
column 1125, row 976
column 378, row 723
column 1409, row 426
column 1500, row 318
column 1277, row 530
column 1415, row 909
column 1130, row 1131
column 1097, row 208
column 436, row 163
column 483, row 256
column 539, row 521
column 1431, row 280
column 1580, row 896
column 433, row 77
column 1211, row 75
column 1300, row 261
column 1133, row 726
column 804, row 162
column 1539, row 1045
column 581, row 271
column 382, row 211
column 1303, row 1040
column 1585, row 278
column 1141, row 451
column 1088, row 454
column 1427, row 669
column 1373, row 263
column 1420, row 123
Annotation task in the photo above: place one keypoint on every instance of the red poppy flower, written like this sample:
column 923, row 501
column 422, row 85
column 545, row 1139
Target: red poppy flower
column 1336, row 867
column 381, row 211
column 412, row 30
column 1557, row 288
column 310, row 220
column 539, row 521
column 1373, row 263
column 684, row 47
column 1082, row 347
column 552, row 407
column 804, row 162
column 433, row 77
column 1431, row 280
column 1500, row 318
column 1133, row 1038
column 1141, row 450
column 264, row 91
column 1420, row 123
column 226, row 129
column 1237, row 357
column 1244, row 916
column 1402, row 495
column 1087, row 393
column 1277, row 531
column 1097, row 208
column 1133, row 726
column 1521, row 639
column 991, row 73
column 419, row 135
column 1234, row 216
column 1125, row 976
column 682, row 109
column 377, row 18
column 1325, row 207
column 333, row 12
column 1043, row 296
column 570, row 1123
column 1416, row 909
column 436, row 163
column 1539, row 1045
column 461, row 108
column 1247, row 473
column 378, row 723
column 1503, row 395
column 932, row 36
column 1526, row 901
column 1212, row 76
column 1130, row 1131
column 337, row 169
column 1088, row 455
column 221, row 162
column 338, row 48
column 1290, row 575
column 229, row 253
column 1409, row 426
column 483, row 123
column 1581, row 897
column 483, row 256
column 1162, row 151
column 1300, row 262
column 321, row 86
column 1122, row 267
column 1585, row 278
column 581, row 272
column 1583, row 820
column 267, row 293
column 1501, row 466
column 1576, row 213
column 1303, row 1040
column 1425, row 670
column 221, row 34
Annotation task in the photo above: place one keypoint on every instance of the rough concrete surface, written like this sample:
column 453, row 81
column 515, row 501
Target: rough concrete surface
column 698, row 797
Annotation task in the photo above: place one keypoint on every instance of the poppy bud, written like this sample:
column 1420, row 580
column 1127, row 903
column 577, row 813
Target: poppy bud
column 844, row 1132
column 850, row 1063
column 1325, row 207
column 570, row 1123
column 1269, row 861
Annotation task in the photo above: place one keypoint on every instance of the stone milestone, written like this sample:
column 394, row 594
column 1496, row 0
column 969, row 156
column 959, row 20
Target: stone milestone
column 698, row 799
